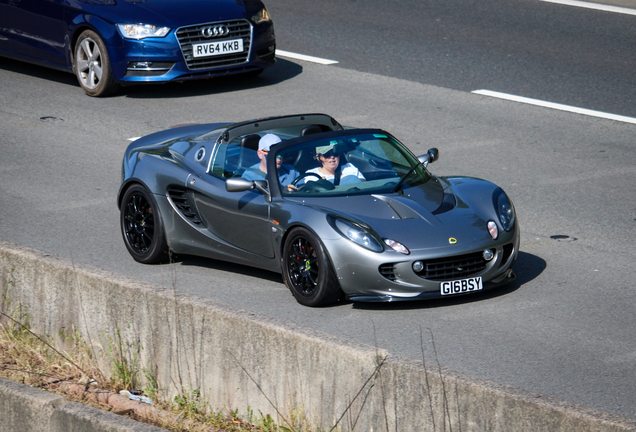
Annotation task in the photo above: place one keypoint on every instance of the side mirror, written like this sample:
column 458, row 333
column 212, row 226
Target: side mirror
column 431, row 156
column 434, row 155
column 239, row 184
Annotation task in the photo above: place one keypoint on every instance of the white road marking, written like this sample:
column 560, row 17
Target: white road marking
column 596, row 6
column 556, row 106
column 304, row 57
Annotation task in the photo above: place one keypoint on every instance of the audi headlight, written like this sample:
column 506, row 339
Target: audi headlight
column 357, row 234
column 505, row 209
column 141, row 31
column 261, row 16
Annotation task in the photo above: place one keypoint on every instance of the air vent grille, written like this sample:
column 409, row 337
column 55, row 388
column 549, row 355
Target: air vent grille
column 388, row 271
column 453, row 267
column 183, row 202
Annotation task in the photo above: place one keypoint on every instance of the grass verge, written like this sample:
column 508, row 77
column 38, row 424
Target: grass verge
column 65, row 366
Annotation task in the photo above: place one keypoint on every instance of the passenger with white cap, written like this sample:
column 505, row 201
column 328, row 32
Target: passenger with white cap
column 286, row 173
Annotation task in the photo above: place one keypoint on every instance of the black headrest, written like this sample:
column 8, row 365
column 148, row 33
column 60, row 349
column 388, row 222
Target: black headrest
column 250, row 141
column 311, row 129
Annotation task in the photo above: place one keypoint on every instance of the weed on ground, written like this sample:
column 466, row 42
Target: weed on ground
column 65, row 366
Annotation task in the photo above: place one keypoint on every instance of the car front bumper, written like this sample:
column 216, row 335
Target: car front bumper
column 365, row 276
column 153, row 60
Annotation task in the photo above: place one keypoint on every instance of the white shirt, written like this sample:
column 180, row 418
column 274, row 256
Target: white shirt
column 346, row 170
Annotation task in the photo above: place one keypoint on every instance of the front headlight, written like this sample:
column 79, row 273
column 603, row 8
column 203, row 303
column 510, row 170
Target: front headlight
column 357, row 235
column 261, row 16
column 505, row 209
column 141, row 31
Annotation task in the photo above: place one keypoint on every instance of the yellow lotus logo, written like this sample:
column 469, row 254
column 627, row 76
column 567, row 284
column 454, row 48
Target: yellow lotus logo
column 452, row 240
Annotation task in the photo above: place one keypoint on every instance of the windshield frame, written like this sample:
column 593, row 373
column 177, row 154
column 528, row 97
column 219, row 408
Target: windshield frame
column 375, row 184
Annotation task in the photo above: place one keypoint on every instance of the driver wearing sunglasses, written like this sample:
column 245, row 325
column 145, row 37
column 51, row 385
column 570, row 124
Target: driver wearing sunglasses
column 330, row 168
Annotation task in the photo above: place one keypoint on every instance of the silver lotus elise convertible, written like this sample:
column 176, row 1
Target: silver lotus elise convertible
column 342, row 213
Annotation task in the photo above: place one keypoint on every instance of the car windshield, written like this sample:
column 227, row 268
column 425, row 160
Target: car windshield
column 351, row 164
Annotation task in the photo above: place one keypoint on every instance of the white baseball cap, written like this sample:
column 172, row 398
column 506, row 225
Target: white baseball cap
column 268, row 140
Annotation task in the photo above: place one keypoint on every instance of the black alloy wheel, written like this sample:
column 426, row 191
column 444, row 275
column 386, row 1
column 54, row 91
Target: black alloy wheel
column 307, row 270
column 142, row 227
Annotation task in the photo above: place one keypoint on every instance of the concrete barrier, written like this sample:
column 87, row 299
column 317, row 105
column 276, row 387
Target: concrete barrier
column 24, row 408
column 238, row 359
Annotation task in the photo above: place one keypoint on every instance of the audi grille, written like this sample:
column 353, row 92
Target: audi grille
column 187, row 36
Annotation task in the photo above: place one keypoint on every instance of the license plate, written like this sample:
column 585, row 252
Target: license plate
column 461, row 286
column 217, row 48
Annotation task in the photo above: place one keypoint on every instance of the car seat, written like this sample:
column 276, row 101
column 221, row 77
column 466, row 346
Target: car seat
column 248, row 156
column 305, row 160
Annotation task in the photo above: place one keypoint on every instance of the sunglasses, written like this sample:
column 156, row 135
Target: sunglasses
column 330, row 154
column 266, row 152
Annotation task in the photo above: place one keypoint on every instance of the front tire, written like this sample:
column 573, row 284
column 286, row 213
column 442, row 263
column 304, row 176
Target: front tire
column 307, row 270
column 92, row 65
column 142, row 226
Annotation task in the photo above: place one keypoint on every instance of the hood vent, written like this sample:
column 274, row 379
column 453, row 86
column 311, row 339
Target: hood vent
column 448, row 203
column 401, row 210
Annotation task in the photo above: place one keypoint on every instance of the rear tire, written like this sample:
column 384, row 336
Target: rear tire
column 307, row 270
column 92, row 65
column 142, row 226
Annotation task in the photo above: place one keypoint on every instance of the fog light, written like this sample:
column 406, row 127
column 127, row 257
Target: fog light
column 140, row 65
column 488, row 254
column 418, row 266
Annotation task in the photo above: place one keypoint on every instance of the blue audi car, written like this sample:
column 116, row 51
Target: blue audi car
column 108, row 43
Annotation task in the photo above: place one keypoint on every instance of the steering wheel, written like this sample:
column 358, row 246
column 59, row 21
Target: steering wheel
column 320, row 184
column 302, row 176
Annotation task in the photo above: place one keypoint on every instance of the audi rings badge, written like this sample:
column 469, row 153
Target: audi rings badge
column 215, row 31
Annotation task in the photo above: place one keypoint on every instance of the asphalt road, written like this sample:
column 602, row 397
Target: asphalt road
column 565, row 328
column 529, row 48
